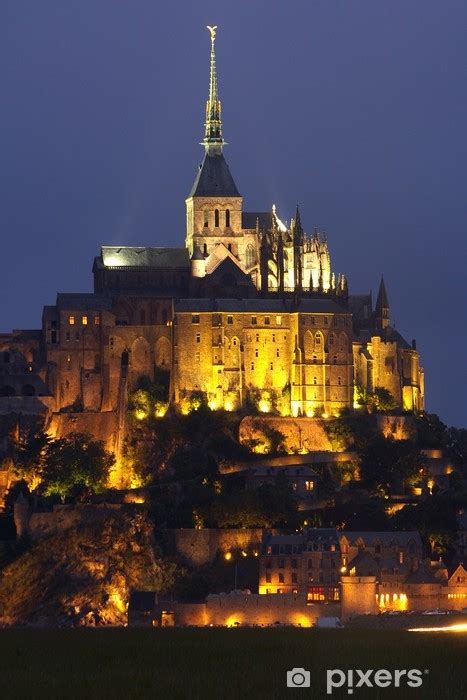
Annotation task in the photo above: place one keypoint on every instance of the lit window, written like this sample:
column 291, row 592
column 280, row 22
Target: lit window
column 97, row 320
column 309, row 485
column 279, row 320
column 84, row 320
column 71, row 320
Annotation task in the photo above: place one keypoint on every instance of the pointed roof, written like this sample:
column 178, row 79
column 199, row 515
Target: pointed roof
column 382, row 301
column 213, row 140
column 214, row 178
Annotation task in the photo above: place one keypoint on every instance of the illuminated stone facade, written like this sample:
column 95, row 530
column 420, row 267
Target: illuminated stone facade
column 249, row 310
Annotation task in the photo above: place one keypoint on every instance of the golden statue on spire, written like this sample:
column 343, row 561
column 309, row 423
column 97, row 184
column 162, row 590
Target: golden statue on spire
column 212, row 31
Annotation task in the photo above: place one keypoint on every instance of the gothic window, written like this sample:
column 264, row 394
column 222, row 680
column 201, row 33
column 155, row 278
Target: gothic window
column 206, row 218
column 227, row 218
column 250, row 255
column 216, row 218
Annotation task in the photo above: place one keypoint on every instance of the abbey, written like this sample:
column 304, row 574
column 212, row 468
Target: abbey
column 249, row 308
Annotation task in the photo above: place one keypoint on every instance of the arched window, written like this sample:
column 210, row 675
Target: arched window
column 250, row 255
column 227, row 218
column 216, row 218
column 206, row 218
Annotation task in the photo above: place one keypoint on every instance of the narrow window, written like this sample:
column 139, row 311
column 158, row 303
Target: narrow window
column 198, row 337
column 205, row 249
column 71, row 320
column 206, row 219
column 278, row 353
column 216, row 218
column 252, row 365
column 279, row 320
column 97, row 320
column 229, row 320
column 254, row 321
column 227, row 218
column 84, row 320
column 266, row 320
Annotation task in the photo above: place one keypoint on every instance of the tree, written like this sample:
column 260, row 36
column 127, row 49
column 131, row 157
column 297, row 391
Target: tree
column 76, row 461
column 390, row 464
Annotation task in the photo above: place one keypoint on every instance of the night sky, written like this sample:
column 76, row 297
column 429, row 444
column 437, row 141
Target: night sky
column 355, row 109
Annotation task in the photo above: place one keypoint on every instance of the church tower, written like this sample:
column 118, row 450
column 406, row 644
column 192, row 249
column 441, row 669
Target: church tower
column 214, row 205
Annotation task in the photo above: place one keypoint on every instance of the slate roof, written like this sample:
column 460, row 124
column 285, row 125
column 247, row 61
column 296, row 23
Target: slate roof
column 214, row 178
column 384, row 537
column 83, row 302
column 322, row 535
column 387, row 335
column 259, row 305
column 126, row 256
column 249, row 219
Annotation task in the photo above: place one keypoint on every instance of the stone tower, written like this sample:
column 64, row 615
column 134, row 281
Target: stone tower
column 214, row 205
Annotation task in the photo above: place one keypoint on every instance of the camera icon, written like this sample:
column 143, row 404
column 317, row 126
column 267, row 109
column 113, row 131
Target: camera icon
column 298, row 678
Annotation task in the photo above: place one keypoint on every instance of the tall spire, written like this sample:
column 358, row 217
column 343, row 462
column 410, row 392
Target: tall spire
column 382, row 307
column 213, row 141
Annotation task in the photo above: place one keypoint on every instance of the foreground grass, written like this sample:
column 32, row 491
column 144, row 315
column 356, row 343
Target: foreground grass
column 217, row 663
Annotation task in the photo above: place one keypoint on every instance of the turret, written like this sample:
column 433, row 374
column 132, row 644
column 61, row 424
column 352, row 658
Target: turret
column 198, row 263
column 382, row 308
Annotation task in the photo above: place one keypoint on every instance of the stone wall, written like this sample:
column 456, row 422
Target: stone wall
column 242, row 608
column 200, row 547
column 306, row 434
column 102, row 426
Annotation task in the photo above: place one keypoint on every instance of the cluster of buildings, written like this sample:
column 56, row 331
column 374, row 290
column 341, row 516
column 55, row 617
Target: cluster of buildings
column 323, row 573
column 249, row 308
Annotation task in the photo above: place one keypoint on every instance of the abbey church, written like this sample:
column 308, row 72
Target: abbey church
column 248, row 307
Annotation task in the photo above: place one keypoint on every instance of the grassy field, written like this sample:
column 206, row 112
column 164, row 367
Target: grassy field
column 218, row 663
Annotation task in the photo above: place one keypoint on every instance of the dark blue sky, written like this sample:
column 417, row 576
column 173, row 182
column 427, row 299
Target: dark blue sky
column 355, row 109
